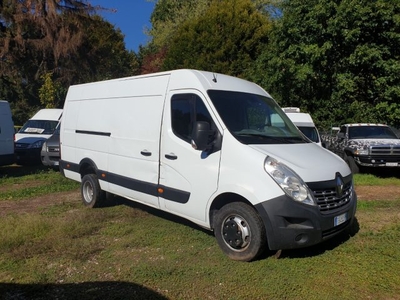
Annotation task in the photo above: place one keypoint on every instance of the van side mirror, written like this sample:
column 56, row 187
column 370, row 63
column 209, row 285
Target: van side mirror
column 340, row 135
column 201, row 136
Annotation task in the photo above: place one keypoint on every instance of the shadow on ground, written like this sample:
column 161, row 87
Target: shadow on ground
column 82, row 291
column 19, row 171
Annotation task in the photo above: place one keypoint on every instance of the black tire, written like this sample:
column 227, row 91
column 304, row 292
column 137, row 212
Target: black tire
column 240, row 232
column 92, row 195
column 352, row 165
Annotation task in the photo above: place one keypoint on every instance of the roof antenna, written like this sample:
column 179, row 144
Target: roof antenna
column 214, row 78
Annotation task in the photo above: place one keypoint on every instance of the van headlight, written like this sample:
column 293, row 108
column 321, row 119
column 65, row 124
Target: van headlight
column 289, row 181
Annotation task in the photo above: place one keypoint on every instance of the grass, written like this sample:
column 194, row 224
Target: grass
column 17, row 182
column 67, row 251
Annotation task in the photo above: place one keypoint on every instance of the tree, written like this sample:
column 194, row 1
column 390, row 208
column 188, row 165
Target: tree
column 339, row 60
column 60, row 37
column 227, row 38
column 48, row 91
column 169, row 15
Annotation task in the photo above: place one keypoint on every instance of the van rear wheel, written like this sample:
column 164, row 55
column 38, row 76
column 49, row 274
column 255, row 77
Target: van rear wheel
column 92, row 195
column 240, row 231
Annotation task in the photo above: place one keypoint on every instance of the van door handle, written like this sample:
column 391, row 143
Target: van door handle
column 171, row 156
column 145, row 153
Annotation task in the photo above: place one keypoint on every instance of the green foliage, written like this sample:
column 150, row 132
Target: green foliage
column 48, row 91
column 169, row 15
column 338, row 60
column 226, row 39
column 67, row 41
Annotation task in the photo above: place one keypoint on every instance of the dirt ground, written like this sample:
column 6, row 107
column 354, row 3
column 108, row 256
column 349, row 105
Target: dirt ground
column 364, row 193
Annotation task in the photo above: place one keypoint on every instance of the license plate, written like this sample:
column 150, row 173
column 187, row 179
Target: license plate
column 391, row 164
column 340, row 219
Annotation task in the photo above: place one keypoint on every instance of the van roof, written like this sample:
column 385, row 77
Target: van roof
column 52, row 114
column 301, row 119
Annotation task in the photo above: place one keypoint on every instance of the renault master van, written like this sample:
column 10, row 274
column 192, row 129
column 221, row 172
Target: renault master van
column 6, row 134
column 30, row 138
column 211, row 148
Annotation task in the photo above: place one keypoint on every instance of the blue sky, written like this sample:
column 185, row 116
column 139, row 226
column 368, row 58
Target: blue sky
column 131, row 16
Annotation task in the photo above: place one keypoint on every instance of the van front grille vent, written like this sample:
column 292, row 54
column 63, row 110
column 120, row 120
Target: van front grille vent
column 332, row 199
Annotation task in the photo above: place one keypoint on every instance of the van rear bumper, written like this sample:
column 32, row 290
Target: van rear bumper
column 291, row 225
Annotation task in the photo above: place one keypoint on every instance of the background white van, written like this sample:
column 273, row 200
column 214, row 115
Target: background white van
column 30, row 138
column 6, row 134
column 304, row 122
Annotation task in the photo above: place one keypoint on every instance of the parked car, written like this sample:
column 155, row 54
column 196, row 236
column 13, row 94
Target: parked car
column 50, row 154
column 30, row 138
column 365, row 145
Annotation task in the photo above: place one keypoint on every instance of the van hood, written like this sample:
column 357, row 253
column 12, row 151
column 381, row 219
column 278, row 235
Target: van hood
column 310, row 161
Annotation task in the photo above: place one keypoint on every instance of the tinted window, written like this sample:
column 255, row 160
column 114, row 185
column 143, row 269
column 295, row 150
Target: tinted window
column 186, row 109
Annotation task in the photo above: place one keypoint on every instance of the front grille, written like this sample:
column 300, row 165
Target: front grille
column 328, row 199
column 21, row 146
column 53, row 149
column 385, row 150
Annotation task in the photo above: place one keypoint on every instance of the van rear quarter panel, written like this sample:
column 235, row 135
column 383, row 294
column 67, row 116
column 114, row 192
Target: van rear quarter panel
column 122, row 120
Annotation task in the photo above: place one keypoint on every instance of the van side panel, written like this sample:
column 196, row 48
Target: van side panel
column 117, row 125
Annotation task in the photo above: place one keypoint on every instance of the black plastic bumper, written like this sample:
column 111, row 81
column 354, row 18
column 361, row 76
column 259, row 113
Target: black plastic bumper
column 291, row 225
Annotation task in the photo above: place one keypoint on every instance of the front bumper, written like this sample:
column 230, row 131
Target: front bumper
column 291, row 225
column 50, row 159
column 378, row 161
column 28, row 156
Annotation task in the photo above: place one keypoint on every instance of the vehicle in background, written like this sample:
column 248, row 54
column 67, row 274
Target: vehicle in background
column 365, row 145
column 30, row 138
column 304, row 122
column 50, row 154
column 6, row 135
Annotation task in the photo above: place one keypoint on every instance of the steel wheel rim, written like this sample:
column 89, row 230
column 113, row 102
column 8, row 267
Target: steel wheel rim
column 88, row 192
column 236, row 232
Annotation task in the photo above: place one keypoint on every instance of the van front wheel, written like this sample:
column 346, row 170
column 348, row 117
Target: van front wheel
column 240, row 231
column 92, row 195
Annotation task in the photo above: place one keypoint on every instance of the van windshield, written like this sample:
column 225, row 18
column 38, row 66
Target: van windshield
column 39, row 127
column 310, row 132
column 255, row 119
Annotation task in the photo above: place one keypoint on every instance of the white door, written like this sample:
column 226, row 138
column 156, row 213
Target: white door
column 188, row 177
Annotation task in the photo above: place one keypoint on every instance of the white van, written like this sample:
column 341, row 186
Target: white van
column 30, row 138
column 202, row 146
column 304, row 122
column 6, row 134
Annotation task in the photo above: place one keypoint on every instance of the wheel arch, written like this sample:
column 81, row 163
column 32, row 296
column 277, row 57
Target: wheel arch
column 222, row 200
column 87, row 166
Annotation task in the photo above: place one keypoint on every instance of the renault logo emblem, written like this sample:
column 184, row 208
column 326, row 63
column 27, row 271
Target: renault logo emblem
column 339, row 185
